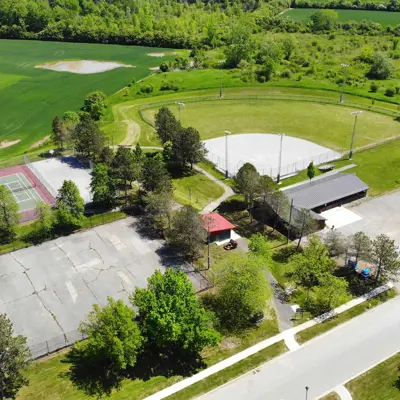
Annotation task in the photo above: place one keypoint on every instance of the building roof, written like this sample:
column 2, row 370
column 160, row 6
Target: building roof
column 325, row 190
column 216, row 223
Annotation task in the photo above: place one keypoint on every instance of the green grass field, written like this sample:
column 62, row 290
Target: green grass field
column 384, row 18
column 31, row 97
column 381, row 382
column 196, row 190
column 326, row 124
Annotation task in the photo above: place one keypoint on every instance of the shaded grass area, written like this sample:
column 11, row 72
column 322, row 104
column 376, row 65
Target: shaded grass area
column 381, row 382
column 50, row 378
column 231, row 372
column 196, row 189
column 323, row 327
column 25, row 231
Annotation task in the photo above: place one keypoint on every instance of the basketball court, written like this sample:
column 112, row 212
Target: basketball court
column 23, row 191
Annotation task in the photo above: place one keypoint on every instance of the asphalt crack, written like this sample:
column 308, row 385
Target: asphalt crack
column 67, row 256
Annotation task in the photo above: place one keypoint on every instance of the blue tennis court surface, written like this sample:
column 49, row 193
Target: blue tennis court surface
column 23, row 191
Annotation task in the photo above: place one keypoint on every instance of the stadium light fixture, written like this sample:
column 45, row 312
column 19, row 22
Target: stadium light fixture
column 345, row 66
column 355, row 113
column 227, row 133
column 278, row 177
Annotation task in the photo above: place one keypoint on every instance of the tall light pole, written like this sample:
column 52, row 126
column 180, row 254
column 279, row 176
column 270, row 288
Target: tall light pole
column 278, row 178
column 227, row 133
column 345, row 66
column 220, row 79
column 179, row 104
column 355, row 113
column 307, row 388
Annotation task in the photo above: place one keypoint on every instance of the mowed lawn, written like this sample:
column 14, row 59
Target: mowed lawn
column 384, row 18
column 381, row 382
column 31, row 97
column 325, row 124
column 196, row 189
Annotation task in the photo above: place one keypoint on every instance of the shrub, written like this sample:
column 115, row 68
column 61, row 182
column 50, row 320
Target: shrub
column 390, row 92
column 146, row 89
column 287, row 73
column 164, row 67
column 374, row 87
column 168, row 86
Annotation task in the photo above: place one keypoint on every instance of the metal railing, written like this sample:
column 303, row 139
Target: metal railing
column 40, row 177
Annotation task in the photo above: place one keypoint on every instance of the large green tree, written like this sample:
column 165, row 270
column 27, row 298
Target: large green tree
column 95, row 104
column 248, row 182
column 8, row 215
column 114, row 339
column 171, row 316
column 323, row 20
column 385, row 258
column 381, row 66
column 159, row 208
column 103, row 186
column 167, row 126
column 360, row 246
column 187, row 233
column 187, row 147
column 240, row 44
column 45, row 220
column 87, row 137
column 154, row 174
column 69, row 207
column 242, row 291
column 14, row 359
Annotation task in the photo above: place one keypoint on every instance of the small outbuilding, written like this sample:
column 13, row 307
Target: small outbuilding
column 219, row 228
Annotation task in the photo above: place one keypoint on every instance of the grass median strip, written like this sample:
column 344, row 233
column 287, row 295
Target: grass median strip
column 381, row 382
column 323, row 327
column 231, row 372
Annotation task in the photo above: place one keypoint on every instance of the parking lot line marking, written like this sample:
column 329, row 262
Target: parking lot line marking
column 116, row 242
column 123, row 277
column 72, row 291
column 90, row 263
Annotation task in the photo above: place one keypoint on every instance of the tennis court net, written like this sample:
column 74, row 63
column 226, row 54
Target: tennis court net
column 21, row 188
column 40, row 177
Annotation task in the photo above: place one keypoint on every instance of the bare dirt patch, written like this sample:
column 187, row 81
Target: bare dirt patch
column 83, row 66
column 154, row 68
column 160, row 54
column 8, row 143
column 40, row 142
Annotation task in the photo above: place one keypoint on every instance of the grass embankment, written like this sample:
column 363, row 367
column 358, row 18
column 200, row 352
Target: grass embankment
column 196, row 189
column 24, row 232
column 381, row 382
column 382, row 17
column 49, row 377
column 331, row 396
column 323, row 327
column 31, row 97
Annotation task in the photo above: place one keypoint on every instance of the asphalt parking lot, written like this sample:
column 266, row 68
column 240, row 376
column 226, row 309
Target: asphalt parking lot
column 378, row 215
column 47, row 290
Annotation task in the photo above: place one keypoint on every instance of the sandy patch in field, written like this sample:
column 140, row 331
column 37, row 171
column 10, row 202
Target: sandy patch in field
column 8, row 143
column 40, row 142
column 161, row 54
column 82, row 66
column 154, row 68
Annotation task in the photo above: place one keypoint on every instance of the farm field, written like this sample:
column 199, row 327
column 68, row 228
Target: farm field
column 384, row 18
column 325, row 124
column 30, row 97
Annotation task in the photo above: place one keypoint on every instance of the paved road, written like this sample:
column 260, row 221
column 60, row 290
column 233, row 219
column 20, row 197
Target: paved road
column 324, row 362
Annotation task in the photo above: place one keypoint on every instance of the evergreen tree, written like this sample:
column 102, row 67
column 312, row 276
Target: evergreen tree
column 124, row 168
column 102, row 187
column 155, row 175
column 167, row 126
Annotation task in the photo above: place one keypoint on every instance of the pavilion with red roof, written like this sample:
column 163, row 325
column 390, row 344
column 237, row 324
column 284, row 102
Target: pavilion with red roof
column 218, row 227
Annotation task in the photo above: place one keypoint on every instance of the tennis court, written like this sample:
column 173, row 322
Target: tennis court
column 23, row 191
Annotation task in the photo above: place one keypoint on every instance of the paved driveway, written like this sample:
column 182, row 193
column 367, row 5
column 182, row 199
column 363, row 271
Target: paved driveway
column 378, row 215
column 48, row 289
column 323, row 363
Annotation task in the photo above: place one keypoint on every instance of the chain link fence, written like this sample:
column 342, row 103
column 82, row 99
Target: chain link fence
column 54, row 344
column 285, row 170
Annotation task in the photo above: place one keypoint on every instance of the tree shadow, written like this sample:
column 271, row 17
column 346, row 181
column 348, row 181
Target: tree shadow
column 397, row 383
column 357, row 286
column 96, row 379
column 282, row 255
column 91, row 376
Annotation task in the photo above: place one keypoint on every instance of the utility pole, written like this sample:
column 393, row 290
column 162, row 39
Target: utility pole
column 278, row 178
column 355, row 113
column 290, row 222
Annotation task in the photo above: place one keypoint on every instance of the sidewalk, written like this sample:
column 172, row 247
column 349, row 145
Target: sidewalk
column 264, row 344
